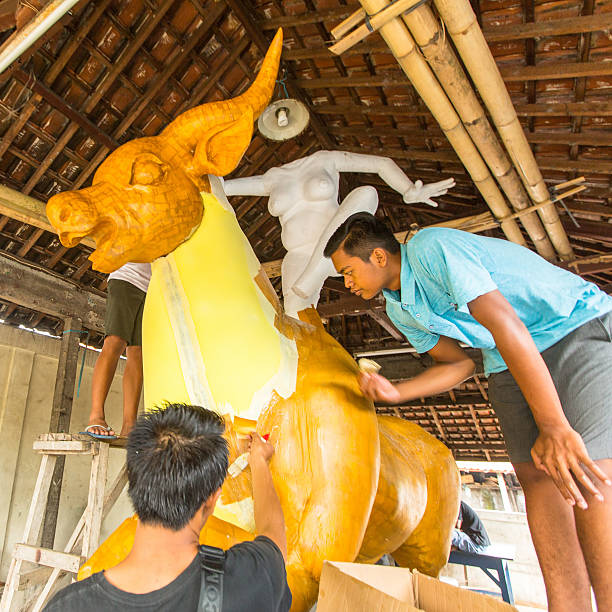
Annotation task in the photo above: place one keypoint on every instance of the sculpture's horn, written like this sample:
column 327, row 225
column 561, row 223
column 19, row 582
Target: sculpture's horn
column 258, row 95
column 186, row 128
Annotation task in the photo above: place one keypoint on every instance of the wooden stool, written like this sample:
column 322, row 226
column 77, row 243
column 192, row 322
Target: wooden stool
column 86, row 534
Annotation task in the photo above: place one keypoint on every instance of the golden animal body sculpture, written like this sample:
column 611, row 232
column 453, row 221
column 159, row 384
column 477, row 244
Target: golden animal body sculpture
column 352, row 485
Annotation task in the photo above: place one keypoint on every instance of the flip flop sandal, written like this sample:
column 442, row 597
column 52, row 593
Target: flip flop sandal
column 98, row 436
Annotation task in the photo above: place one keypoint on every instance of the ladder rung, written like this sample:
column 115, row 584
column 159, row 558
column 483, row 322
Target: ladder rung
column 64, row 447
column 50, row 558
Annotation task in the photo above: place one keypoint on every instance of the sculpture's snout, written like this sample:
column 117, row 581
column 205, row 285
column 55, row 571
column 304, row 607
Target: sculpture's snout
column 74, row 216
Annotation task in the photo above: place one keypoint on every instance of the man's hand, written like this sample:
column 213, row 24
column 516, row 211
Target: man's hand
column 378, row 388
column 560, row 452
column 424, row 193
column 259, row 448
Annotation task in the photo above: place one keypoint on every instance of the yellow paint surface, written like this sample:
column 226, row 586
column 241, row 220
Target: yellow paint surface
column 161, row 365
column 234, row 323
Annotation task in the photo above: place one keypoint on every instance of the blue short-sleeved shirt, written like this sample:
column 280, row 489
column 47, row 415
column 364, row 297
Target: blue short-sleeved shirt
column 444, row 269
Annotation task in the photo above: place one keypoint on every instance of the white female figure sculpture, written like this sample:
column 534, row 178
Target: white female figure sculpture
column 303, row 194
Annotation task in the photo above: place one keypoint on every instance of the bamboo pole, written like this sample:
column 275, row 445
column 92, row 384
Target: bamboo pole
column 385, row 16
column 461, row 23
column 535, row 207
column 402, row 46
column 437, row 50
column 352, row 21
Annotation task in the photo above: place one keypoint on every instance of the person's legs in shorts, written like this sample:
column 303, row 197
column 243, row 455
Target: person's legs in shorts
column 123, row 320
column 587, row 362
column 568, row 541
column 103, row 374
column 132, row 388
column 550, row 518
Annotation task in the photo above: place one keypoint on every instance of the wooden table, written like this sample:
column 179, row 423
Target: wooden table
column 494, row 558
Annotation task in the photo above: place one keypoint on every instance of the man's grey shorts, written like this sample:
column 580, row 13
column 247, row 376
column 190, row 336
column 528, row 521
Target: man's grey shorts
column 581, row 368
column 124, row 308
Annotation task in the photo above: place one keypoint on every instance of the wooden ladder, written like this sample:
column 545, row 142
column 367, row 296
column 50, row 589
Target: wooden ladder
column 52, row 564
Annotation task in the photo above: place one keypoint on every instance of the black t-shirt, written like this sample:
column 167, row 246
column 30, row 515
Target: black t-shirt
column 472, row 525
column 254, row 579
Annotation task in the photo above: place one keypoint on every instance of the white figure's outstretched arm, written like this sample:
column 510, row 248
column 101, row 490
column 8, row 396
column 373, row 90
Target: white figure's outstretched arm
column 392, row 174
column 248, row 186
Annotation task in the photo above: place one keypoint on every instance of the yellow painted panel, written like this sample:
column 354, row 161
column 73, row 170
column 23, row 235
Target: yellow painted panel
column 162, row 369
column 227, row 308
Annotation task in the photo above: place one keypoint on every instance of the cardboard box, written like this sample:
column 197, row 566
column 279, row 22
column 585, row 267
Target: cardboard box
column 358, row 587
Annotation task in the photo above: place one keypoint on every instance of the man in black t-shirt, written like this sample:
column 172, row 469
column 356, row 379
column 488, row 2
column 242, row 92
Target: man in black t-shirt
column 470, row 534
column 177, row 461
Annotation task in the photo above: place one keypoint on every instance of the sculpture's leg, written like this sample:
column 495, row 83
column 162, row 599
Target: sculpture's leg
column 293, row 264
column 428, row 547
column 402, row 491
column 326, row 463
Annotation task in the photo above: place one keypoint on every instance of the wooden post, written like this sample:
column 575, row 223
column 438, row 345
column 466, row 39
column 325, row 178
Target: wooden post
column 60, row 418
column 501, row 481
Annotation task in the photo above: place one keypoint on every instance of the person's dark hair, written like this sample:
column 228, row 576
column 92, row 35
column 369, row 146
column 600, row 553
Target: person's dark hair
column 176, row 459
column 359, row 235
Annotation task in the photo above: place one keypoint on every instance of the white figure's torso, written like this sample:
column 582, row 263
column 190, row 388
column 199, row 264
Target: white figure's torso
column 304, row 197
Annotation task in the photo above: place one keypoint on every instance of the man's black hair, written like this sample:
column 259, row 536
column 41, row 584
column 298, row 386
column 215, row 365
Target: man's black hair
column 359, row 235
column 176, row 459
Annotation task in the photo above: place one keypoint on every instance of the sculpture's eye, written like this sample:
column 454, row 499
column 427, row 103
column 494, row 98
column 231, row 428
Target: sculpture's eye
column 148, row 170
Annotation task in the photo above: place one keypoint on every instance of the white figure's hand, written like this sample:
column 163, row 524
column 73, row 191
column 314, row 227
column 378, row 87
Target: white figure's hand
column 424, row 193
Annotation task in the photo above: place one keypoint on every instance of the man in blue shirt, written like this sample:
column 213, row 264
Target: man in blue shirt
column 546, row 340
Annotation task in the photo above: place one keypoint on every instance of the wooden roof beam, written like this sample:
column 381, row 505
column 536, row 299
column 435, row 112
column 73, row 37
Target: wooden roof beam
column 555, row 70
column 589, row 208
column 514, row 31
column 546, row 163
column 385, row 322
column 589, row 229
column 553, row 27
column 392, row 77
column 598, row 138
column 178, row 56
column 463, row 402
column 63, row 107
column 8, row 9
column 49, row 293
column 290, row 21
column 591, row 138
column 544, row 71
column 365, row 48
column 28, row 210
column 72, row 44
column 565, row 109
column 145, row 30
column 558, row 109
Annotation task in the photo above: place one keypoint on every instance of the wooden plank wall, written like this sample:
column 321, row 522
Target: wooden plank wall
column 28, row 366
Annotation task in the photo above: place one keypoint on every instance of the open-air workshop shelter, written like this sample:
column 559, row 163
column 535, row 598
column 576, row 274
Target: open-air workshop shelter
column 113, row 70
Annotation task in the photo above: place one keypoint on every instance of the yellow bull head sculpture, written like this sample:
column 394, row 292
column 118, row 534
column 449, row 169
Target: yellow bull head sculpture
column 145, row 197
column 352, row 485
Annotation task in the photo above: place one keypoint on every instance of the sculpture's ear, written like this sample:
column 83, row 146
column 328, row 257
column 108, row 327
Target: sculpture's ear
column 221, row 148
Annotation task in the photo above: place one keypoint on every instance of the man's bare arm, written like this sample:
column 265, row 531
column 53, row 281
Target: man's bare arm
column 452, row 367
column 559, row 450
column 269, row 518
